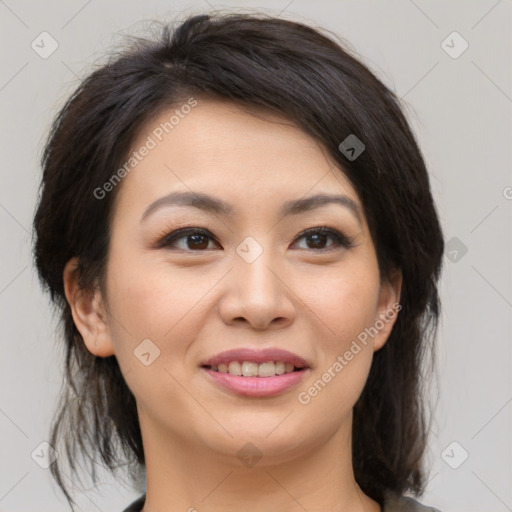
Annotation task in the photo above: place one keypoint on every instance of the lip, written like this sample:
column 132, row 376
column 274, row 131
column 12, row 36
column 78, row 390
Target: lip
column 257, row 386
column 257, row 356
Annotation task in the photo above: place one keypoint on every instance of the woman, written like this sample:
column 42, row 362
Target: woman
column 237, row 226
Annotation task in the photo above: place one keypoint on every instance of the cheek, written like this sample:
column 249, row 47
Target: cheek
column 153, row 300
column 153, row 319
column 345, row 300
column 352, row 308
column 141, row 303
column 346, row 304
column 346, row 307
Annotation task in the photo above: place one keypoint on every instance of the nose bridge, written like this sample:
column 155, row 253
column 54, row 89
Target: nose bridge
column 252, row 264
column 256, row 292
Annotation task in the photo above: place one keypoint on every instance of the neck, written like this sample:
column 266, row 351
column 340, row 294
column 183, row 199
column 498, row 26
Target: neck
column 184, row 476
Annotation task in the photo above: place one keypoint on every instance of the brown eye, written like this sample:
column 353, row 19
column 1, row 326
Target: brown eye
column 195, row 239
column 318, row 239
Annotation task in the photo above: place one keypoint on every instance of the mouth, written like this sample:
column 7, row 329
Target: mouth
column 256, row 373
column 250, row 362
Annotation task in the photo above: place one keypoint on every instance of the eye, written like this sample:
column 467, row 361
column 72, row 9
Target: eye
column 195, row 239
column 316, row 238
column 198, row 239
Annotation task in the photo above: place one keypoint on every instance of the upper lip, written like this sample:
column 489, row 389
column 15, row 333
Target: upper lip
column 257, row 356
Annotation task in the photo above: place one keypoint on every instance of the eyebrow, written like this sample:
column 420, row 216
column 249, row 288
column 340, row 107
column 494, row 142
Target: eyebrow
column 215, row 205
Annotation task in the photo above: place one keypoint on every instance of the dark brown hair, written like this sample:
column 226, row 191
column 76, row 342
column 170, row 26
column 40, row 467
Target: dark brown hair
column 309, row 78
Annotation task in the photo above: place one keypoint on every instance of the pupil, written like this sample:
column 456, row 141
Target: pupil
column 196, row 243
column 318, row 239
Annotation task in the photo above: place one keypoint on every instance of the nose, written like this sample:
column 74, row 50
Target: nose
column 257, row 295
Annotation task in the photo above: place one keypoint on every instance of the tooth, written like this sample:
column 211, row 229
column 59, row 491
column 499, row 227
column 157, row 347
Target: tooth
column 279, row 368
column 249, row 369
column 266, row 369
column 235, row 368
column 252, row 369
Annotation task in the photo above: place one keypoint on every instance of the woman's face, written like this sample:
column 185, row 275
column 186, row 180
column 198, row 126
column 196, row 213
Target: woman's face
column 243, row 276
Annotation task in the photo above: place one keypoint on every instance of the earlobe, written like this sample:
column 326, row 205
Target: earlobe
column 88, row 313
column 389, row 307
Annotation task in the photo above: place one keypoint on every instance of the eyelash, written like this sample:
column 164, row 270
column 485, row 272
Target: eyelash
column 340, row 240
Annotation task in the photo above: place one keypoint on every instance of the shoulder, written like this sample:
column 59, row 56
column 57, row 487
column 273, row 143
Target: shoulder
column 137, row 505
column 396, row 503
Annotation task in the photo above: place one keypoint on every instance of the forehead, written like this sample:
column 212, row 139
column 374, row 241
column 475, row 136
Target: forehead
column 252, row 156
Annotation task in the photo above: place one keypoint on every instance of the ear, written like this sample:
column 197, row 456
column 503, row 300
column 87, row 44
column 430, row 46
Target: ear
column 388, row 307
column 89, row 313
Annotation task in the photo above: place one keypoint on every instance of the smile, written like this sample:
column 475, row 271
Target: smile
column 252, row 369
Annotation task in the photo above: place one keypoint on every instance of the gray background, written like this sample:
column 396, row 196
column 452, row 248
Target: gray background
column 460, row 109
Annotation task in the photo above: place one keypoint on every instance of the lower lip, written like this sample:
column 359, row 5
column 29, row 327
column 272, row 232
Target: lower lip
column 257, row 386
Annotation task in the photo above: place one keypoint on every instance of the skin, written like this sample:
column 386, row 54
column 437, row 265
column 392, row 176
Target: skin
column 193, row 304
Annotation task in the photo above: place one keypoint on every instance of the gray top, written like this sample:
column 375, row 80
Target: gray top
column 395, row 503
column 392, row 503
